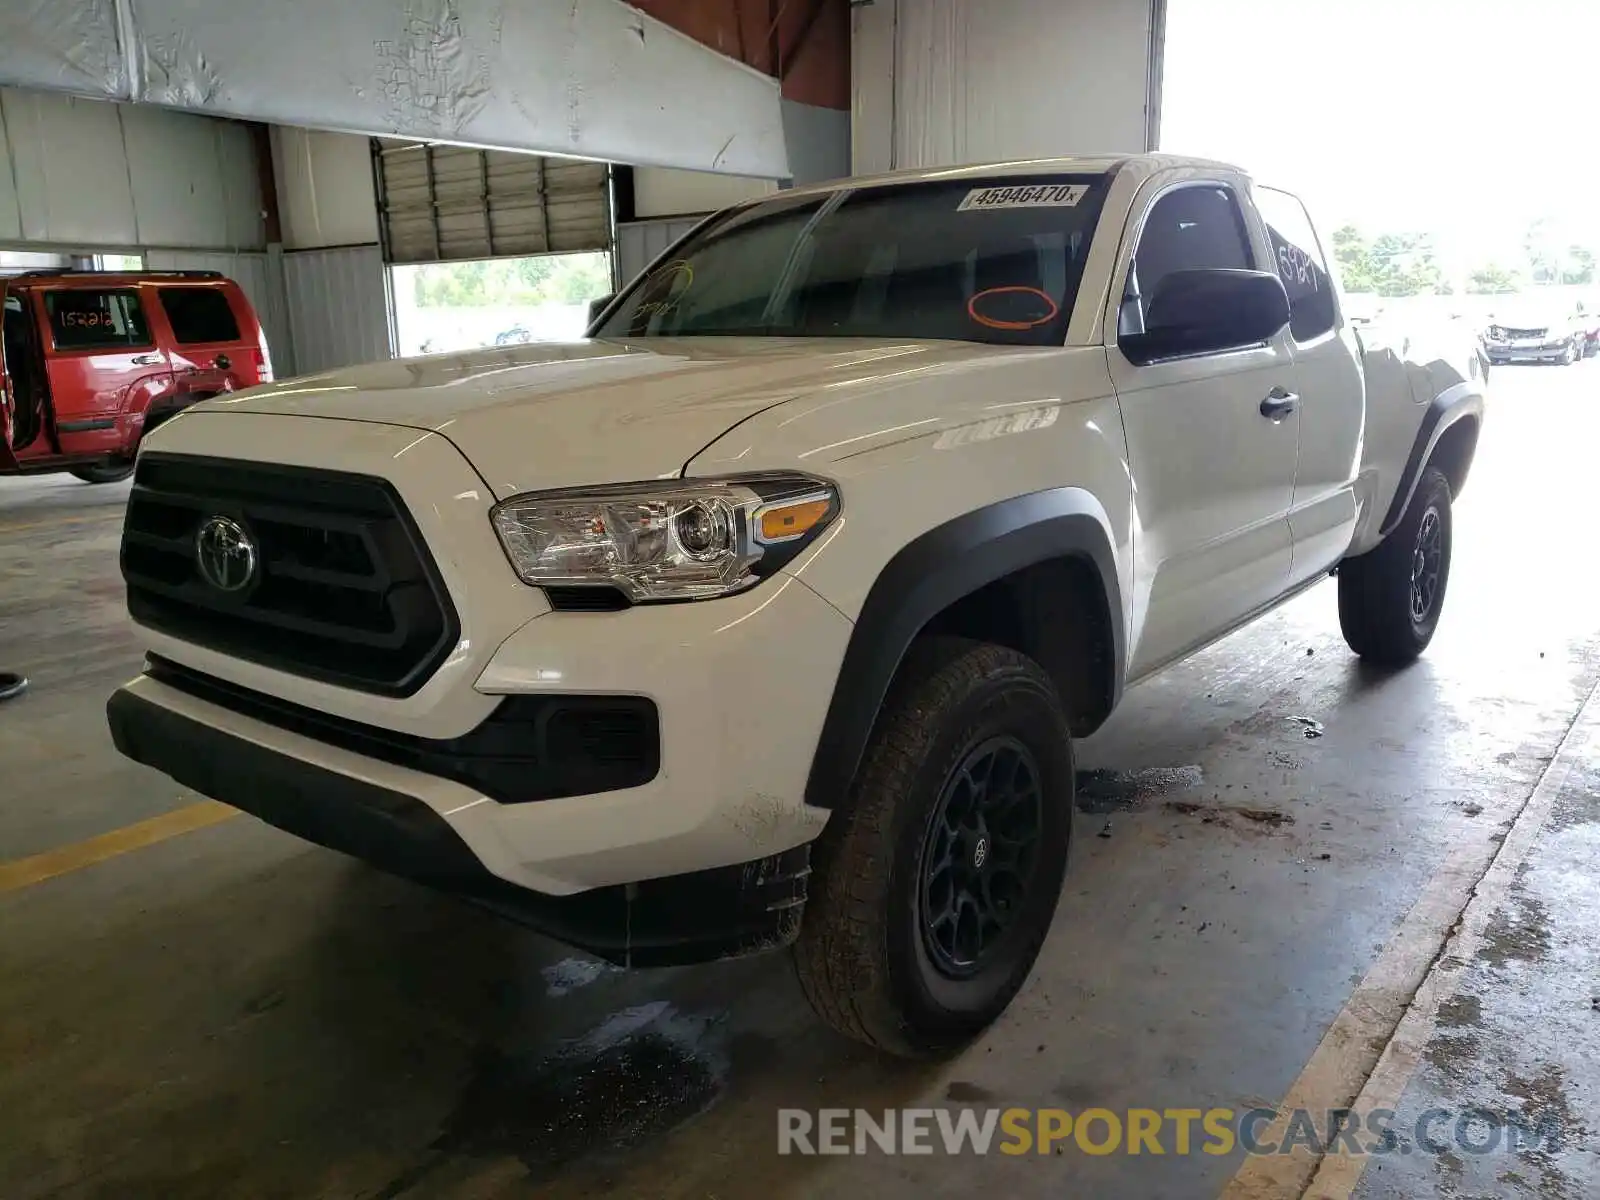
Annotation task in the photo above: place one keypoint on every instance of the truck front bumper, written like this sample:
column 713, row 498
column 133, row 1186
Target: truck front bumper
column 702, row 855
column 1505, row 352
column 369, row 814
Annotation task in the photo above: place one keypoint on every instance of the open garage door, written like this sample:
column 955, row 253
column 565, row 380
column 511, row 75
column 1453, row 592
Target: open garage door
column 490, row 247
column 443, row 203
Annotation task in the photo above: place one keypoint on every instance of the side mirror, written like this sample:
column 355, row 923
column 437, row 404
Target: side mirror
column 598, row 306
column 1208, row 311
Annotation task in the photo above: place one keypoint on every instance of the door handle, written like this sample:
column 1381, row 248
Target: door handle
column 147, row 360
column 1279, row 404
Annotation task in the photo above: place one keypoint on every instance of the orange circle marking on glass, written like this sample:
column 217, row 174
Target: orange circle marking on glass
column 993, row 323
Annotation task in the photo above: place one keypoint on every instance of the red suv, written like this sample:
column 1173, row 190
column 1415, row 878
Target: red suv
column 91, row 360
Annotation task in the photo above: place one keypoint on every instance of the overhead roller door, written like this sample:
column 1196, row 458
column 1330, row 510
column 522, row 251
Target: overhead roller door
column 449, row 202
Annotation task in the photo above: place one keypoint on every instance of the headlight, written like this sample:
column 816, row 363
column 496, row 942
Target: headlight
column 688, row 539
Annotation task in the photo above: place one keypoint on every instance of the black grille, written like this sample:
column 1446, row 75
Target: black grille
column 1521, row 333
column 529, row 748
column 345, row 590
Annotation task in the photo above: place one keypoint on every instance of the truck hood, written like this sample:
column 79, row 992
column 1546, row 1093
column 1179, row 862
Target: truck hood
column 556, row 415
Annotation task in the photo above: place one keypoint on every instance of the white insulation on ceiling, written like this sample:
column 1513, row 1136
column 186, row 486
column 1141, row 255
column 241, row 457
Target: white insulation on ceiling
column 587, row 78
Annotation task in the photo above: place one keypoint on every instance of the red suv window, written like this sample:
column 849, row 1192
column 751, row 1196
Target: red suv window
column 82, row 319
column 199, row 315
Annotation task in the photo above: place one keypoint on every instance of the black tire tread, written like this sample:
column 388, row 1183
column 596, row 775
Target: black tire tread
column 102, row 474
column 838, row 955
column 1374, row 588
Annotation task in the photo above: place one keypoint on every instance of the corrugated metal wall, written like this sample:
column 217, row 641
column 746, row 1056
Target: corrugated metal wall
column 338, row 307
column 84, row 174
column 638, row 242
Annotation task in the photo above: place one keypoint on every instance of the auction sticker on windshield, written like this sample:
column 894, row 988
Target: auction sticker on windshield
column 1043, row 195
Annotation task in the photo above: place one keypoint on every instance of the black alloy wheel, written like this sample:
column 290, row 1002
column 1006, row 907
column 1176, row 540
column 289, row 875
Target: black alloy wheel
column 1391, row 597
column 980, row 853
column 1427, row 560
column 934, row 885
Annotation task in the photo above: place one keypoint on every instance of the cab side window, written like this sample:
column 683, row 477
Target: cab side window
column 83, row 319
column 1196, row 227
column 1297, row 257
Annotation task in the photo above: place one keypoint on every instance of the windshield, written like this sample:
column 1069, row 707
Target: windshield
column 995, row 260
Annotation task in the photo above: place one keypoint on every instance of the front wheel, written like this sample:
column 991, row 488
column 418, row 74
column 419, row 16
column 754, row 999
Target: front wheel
column 103, row 473
column 1568, row 355
column 934, row 884
column 1390, row 598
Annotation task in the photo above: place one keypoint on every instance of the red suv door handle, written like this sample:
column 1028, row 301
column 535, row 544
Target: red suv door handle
column 147, row 360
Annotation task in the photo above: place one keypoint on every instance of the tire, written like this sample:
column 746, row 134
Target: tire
column 869, row 957
column 1568, row 356
column 1387, row 611
column 112, row 473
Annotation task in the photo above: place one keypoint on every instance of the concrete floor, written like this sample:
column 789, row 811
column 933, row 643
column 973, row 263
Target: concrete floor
column 1254, row 916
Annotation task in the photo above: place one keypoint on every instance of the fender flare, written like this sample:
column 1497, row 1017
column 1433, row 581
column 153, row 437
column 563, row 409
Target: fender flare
column 932, row 572
column 1454, row 404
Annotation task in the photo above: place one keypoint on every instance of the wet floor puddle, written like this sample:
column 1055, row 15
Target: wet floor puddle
column 640, row 1074
column 1211, row 814
column 1104, row 791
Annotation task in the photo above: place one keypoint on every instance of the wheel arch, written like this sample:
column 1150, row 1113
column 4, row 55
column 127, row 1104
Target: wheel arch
column 1037, row 572
column 1447, row 439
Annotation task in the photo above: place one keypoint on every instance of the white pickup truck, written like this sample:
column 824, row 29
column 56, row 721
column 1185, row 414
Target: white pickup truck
column 769, row 613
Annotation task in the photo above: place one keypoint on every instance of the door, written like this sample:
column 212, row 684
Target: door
column 1328, row 379
column 12, row 321
column 22, row 390
column 104, row 367
column 208, row 352
column 1212, row 450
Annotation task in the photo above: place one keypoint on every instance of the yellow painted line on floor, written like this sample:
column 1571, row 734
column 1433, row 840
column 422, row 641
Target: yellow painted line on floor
column 54, row 521
column 1369, row 1052
column 25, row 872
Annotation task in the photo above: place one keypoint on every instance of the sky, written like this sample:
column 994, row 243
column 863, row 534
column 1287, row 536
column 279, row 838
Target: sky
column 1466, row 119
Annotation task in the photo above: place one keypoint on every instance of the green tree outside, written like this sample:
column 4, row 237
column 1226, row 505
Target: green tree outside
column 1577, row 265
column 1492, row 280
column 1393, row 264
column 513, row 282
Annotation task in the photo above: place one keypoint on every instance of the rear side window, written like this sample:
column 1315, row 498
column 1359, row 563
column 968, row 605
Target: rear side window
column 199, row 314
column 81, row 319
column 1297, row 257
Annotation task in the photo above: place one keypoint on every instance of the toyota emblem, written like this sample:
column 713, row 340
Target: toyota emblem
column 225, row 554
